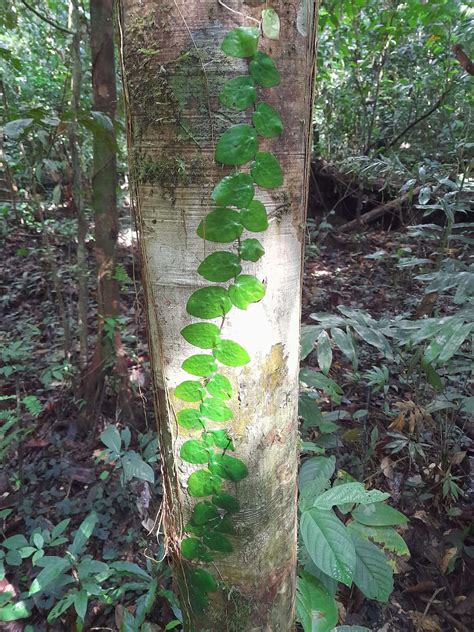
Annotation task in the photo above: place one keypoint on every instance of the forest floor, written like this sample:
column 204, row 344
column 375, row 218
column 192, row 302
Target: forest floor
column 59, row 475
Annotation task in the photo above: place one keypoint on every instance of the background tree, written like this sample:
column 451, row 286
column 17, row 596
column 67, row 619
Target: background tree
column 174, row 72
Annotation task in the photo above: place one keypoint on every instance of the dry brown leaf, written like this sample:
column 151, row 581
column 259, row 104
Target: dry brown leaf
column 447, row 556
column 425, row 623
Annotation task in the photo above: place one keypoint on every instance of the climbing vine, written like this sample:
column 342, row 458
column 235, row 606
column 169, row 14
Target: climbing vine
column 235, row 210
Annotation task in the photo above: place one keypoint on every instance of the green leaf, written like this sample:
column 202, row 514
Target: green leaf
column 203, row 580
column 266, row 170
column 228, row 467
column 329, row 544
column 227, row 502
column 202, row 335
column 110, row 437
column 204, row 512
column 316, row 609
column 135, row 467
column 348, row 493
column 351, row 628
column 234, row 190
column 189, row 391
column 231, row 353
column 246, row 289
column 346, row 344
column 254, row 218
column 209, row 302
column 237, row 145
column 125, row 569
column 251, row 250
column 14, row 611
column 203, row 483
column 267, row 121
column 263, row 70
column 386, row 536
column 14, row 542
column 217, row 542
column 221, row 226
column 194, row 549
column 80, row 603
column 378, row 515
column 219, row 386
column 324, row 352
column 220, row 439
column 190, row 418
column 373, row 574
column 53, row 567
column 83, row 534
column 316, row 471
column 60, row 528
column 271, row 24
column 13, row 558
column 238, row 93
column 241, row 42
column 214, row 409
column 61, row 606
column 309, row 334
column 220, row 266
column 194, row 451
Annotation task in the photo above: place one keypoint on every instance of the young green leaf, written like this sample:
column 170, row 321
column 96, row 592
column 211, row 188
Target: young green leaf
column 194, row 549
column 220, row 439
column 228, row 467
column 202, row 335
column 203, row 483
column 231, row 353
column 227, row 502
column 373, row 574
column 209, row 302
column 237, row 145
column 80, row 603
column 241, row 42
column 271, row 26
column 194, row 451
column 83, row 533
column 378, row 515
column 329, row 544
column 238, row 93
column 219, row 386
column 254, row 218
column 251, row 250
column 222, row 226
column 316, row 609
column 266, row 170
column 204, row 512
column 53, row 567
column 234, row 190
column 190, row 418
column 217, row 542
column 246, row 289
column 263, row 70
column 348, row 493
column 190, row 391
column 200, row 364
column 220, row 266
column 267, row 121
column 214, row 409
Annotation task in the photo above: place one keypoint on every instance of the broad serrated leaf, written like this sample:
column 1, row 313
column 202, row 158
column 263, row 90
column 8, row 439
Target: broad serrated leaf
column 219, row 386
column 194, row 451
column 316, row 609
column 231, row 353
column 251, row 250
column 266, row 170
column 254, row 218
column 245, row 290
column 378, row 515
column 221, row 226
column 373, row 574
column 214, row 409
column 238, row 93
column 220, row 267
column 328, row 544
column 203, row 483
column 190, row 391
column 267, row 121
column 348, row 493
column 237, row 145
column 202, row 335
column 263, row 70
column 241, row 42
column 209, row 302
column 234, row 190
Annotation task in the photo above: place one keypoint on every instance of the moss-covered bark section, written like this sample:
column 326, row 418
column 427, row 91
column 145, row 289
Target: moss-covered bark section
column 174, row 72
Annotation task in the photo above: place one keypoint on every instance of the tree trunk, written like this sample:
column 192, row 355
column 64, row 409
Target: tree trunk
column 174, row 71
column 109, row 355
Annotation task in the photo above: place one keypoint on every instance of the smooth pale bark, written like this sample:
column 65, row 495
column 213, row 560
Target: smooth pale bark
column 174, row 71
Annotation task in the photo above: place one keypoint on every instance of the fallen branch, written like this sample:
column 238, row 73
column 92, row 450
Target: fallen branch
column 379, row 211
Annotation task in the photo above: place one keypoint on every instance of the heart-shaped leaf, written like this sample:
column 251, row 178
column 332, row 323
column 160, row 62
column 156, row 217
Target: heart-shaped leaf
column 231, row 353
column 219, row 386
column 266, row 170
column 254, row 217
column 238, row 93
column 222, row 226
column 237, row 145
column 200, row 364
column 263, row 70
column 220, row 266
column 189, row 391
column 251, row 250
column 234, row 190
column 241, row 42
column 266, row 120
column 209, row 302
column 202, row 335
column 247, row 289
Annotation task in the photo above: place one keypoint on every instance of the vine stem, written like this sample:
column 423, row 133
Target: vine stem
column 242, row 15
